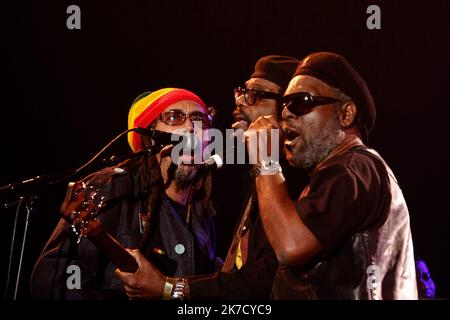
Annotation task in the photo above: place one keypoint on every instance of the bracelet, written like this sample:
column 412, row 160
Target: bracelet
column 178, row 289
column 268, row 168
column 168, row 287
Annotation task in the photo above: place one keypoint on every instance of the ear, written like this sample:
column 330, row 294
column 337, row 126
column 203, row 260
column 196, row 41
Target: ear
column 347, row 114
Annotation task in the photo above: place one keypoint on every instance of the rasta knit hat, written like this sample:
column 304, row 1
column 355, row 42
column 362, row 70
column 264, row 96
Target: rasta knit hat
column 335, row 70
column 277, row 69
column 149, row 105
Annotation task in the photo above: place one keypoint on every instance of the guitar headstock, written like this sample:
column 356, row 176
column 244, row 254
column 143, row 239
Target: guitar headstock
column 84, row 202
column 82, row 206
column 92, row 201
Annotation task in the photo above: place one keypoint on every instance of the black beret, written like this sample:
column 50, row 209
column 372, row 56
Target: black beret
column 335, row 70
column 277, row 69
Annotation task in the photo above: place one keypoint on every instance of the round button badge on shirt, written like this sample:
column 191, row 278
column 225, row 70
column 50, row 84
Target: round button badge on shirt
column 180, row 249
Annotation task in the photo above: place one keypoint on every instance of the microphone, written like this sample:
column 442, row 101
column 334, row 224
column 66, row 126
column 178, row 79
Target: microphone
column 163, row 138
column 191, row 141
column 144, row 131
column 213, row 162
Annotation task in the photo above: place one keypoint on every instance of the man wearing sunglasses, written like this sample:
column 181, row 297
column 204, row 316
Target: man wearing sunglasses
column 348, row 235
column 156, row 205
column 251, row 264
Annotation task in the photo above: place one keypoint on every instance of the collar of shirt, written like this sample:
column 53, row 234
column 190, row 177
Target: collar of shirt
column 340, row 149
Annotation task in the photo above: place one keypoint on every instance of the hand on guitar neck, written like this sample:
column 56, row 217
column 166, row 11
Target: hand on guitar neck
column 146, row 283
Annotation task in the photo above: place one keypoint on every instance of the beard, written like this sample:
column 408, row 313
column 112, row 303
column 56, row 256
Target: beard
column 184, row 175
column 316, row 144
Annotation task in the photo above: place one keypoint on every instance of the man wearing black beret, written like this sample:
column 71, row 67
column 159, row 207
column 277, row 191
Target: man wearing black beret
column 348, row 235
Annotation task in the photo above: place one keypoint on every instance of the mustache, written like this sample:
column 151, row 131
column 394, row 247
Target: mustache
column 239, row 115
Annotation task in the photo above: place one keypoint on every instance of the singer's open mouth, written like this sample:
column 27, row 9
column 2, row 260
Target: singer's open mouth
column 290, row 136
column 241, row 117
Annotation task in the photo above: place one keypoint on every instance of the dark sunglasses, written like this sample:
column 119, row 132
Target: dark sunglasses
column 177, row 117
column 252, row 96
column 301, row 103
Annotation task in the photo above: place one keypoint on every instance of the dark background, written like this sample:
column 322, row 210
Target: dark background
column 66, row 93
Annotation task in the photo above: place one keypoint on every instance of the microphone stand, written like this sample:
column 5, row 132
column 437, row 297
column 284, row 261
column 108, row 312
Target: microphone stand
column 27, row 193
column 27, row 199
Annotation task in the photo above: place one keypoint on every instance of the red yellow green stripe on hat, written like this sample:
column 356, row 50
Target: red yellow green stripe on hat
column 144, row 111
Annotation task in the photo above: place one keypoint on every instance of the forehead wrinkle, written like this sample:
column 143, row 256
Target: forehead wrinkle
column 262, row 84
column 312, row 85
column 185, row 105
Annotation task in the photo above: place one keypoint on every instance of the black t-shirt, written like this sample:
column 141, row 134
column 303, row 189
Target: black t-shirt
column 347, row 193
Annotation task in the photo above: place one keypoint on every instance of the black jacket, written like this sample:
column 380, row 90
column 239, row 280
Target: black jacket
column 123, row 219
column 254, row 279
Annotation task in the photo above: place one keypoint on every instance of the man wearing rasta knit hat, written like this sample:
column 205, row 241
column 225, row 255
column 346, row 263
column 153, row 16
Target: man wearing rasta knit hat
column 154, row 205
column 251, row 264
column 150, row 105
column 348, row 235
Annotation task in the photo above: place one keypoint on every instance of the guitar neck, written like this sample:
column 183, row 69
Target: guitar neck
column 114, row 251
